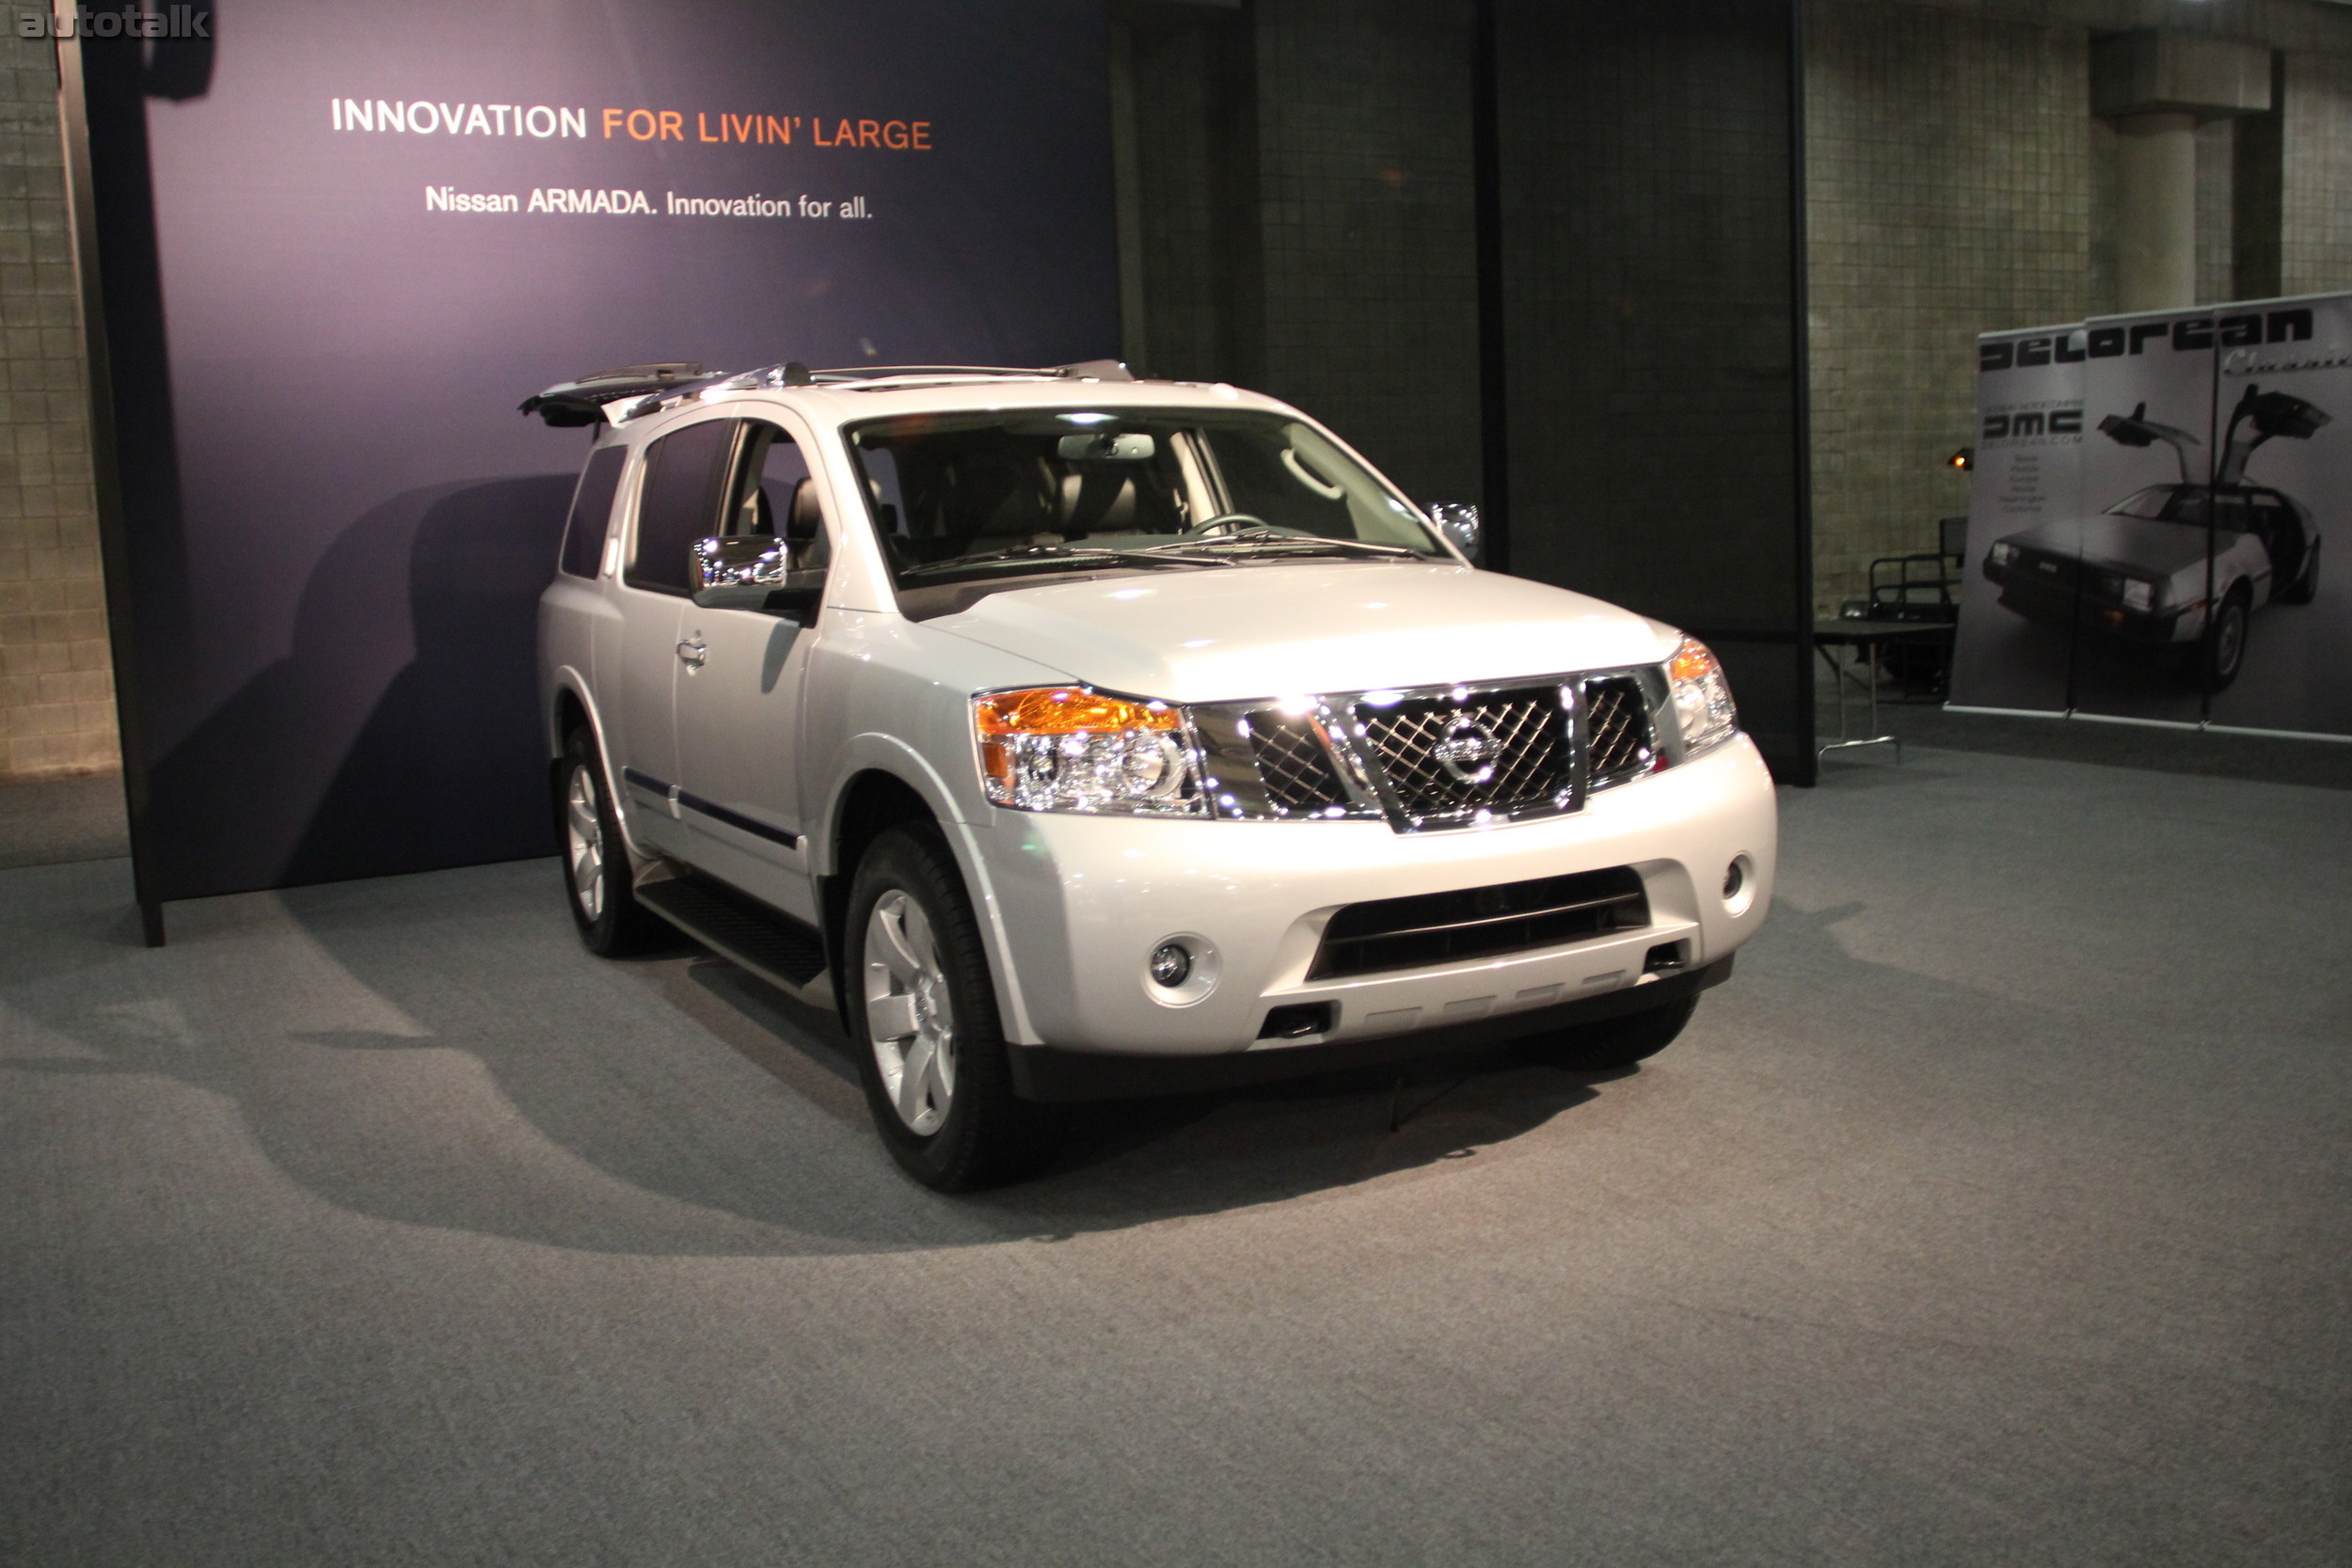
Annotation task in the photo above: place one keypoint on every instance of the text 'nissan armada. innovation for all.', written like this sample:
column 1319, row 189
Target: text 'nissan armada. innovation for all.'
column 1081, row 738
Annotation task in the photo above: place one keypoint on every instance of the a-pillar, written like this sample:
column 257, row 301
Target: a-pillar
column 2156, row 88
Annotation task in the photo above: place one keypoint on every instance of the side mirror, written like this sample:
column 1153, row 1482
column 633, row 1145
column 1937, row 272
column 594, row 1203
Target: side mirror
column 740, row 560
column 1458, row 522
column 748, row 571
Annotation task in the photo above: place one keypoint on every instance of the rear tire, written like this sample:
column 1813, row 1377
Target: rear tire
column 922, row 1011
column 596, row 881
column 1611, row 1042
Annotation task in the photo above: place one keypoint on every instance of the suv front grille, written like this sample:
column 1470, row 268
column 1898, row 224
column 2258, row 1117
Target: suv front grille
column 1479, row 923
column 1433, row 757
column 1617, row 730
column 1497, row 752
column 1296, row 770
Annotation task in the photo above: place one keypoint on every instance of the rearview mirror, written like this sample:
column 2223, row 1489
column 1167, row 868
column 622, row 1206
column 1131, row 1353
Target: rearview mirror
column 1107, row 447
column 1458, row 522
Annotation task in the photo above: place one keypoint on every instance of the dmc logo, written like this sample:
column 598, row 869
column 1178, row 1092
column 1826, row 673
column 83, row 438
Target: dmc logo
column 127, row 22
column 1468, row 750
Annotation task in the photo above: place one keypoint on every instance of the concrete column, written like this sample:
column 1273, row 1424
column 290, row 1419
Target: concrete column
column 2155, row 241
column 2155, row 87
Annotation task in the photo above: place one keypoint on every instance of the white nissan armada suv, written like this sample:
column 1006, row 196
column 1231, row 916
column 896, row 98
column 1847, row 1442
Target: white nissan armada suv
column 1081, row 738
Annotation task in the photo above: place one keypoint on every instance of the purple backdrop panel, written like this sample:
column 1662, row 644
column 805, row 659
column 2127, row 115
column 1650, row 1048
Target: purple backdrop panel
column 343, row 240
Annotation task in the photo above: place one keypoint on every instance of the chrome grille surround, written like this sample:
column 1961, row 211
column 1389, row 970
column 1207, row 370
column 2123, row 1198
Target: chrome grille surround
column 1431, row 758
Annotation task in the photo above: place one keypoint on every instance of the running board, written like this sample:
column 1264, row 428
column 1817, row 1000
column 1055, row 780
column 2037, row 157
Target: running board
column 786, row 953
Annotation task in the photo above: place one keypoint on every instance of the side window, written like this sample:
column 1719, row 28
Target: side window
column 678, row 502
column 774, row 497
column 591, row 510
column 2270, row 517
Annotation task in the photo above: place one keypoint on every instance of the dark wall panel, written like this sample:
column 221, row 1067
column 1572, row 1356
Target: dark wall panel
column 1648, row 201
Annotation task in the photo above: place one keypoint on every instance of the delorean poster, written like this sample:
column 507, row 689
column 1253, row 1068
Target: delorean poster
column 2159, row 556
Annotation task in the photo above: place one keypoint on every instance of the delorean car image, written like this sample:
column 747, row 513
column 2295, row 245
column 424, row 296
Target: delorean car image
column 2136, row 572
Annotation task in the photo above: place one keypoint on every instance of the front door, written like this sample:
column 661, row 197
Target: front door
column 678, row 499
column 738, row 703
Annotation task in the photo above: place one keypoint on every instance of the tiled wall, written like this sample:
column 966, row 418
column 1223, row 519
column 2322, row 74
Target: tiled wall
column 1957, row 182
column 56, row 695
column 1948, row 193
column 2316, row 223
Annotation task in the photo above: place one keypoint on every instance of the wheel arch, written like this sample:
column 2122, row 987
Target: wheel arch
column 573, row 706
column 874, row 797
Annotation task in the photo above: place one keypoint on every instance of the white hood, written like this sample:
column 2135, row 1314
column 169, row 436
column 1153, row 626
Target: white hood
column 1224, row 634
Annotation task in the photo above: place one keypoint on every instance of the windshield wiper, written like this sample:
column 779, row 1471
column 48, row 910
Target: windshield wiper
column 1022, row 554
column 1300, row 544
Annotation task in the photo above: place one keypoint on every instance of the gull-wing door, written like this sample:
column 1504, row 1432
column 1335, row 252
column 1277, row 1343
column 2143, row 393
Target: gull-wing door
column 2260, row 417
column 2137, row 429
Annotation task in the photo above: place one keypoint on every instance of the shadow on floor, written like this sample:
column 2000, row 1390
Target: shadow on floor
column 56, row 821
column 2206, row 753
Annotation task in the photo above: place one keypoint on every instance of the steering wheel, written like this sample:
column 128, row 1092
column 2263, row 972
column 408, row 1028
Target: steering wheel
column 1230, row 522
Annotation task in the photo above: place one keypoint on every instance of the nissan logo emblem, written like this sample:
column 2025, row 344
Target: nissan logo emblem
column 1467, row 750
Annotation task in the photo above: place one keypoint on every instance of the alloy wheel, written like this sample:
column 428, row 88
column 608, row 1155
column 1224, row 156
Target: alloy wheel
column 908, row 1015
column 2229, row 639
column 583, row 843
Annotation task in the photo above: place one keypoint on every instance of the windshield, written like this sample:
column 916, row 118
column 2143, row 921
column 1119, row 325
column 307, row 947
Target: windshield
column 2167, row 503
column 965, row 498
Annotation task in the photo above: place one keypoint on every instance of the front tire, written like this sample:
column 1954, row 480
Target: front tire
column 1609, row 1043
column 923, row 1014
column 2222, row 650
column 596, row 878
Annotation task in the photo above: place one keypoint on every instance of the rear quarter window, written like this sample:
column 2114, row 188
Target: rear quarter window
column 591, row 510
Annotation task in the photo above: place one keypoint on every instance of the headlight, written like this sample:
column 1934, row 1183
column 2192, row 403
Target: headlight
column 1703, row 704
column 1061, row 748
column 2138, row 593
column 2003, row 552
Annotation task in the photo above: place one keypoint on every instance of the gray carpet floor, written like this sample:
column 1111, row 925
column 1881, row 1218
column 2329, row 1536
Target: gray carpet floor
column 63, row 819
column 1999, row 1211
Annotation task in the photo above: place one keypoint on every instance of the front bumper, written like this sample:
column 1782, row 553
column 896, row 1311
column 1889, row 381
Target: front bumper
column 1078, row 903
column 2059, row 604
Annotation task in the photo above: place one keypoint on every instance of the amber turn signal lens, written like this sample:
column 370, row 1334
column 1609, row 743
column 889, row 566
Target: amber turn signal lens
column 1692, row 661
column 1067, row 710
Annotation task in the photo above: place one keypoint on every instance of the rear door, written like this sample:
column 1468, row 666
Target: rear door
column 738, row 706
column 678, row 499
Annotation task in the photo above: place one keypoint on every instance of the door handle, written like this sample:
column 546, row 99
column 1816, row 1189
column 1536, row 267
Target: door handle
column 692, row 653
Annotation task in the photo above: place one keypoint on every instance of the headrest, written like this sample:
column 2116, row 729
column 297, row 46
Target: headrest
column 807, row 522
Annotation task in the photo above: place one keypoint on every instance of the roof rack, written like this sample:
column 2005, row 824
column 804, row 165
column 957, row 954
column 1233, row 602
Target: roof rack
column 794, row 373
column 647, row 388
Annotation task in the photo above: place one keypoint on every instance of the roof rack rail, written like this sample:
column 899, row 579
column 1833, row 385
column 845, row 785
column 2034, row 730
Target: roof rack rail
column 582, row 402
column 646, row 388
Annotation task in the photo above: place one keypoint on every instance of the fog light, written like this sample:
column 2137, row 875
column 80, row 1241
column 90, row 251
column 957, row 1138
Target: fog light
column 1739, row 885
column 1171, row 964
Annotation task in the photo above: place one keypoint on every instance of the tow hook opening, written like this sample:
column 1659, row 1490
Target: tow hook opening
column 1667, row 958
column 1298, row 1021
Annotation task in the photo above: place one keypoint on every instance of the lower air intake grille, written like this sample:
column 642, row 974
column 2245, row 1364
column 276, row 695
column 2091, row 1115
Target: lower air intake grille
column 1617, row 730
column 1479, row 923
column 1498, row 752
column 1296, row 770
